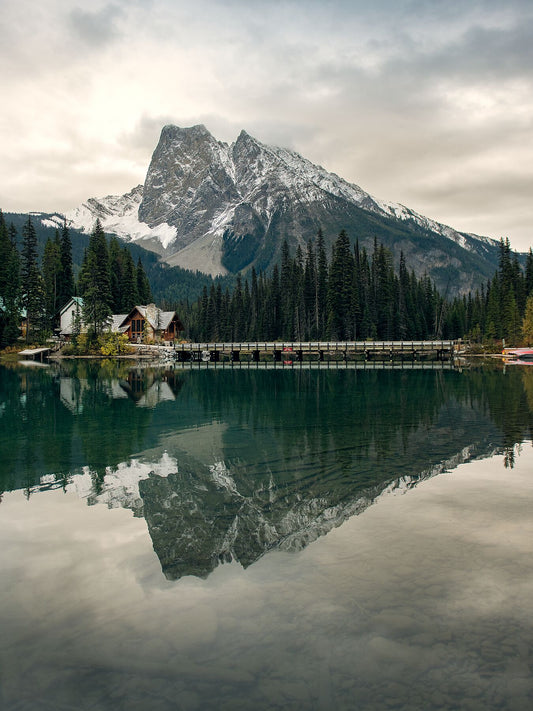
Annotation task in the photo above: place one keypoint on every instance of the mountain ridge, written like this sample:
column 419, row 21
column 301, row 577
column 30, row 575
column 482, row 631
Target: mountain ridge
column 223, row 208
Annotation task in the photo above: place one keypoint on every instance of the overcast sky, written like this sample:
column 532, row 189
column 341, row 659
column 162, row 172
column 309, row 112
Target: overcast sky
column 424, row 102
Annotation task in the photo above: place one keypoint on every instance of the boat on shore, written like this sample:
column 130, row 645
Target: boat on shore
column 518, row 355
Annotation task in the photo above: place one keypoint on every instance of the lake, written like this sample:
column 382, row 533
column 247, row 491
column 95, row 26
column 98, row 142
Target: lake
column 253, row 537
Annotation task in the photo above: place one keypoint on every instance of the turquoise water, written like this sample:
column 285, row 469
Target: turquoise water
column 266, row 538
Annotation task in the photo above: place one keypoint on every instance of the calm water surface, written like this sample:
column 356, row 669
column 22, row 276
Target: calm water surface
column 250, row 538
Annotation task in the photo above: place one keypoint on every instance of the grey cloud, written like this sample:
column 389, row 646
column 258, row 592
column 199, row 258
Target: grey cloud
column 96, row 28
column 485, row 54
column 371, row 91
column 145, row 134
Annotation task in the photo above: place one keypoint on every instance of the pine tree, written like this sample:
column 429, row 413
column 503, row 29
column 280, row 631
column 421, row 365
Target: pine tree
column 143, row 285
column 309, row 295
column 9, row 285
column 5, row 251
column 128, row 283
column 321, row 286
column 211, row 319
column 356, row 305
column 286, row 296
column 340, row 286
column 65, row 290
column 98, row 247
column 511, row 317
column 367, row 327
column 402, row 319
column 116, row 269
column 273, row 316
column 202, row 315
column 225, row 317
column 31, row 281
column 529, row 274
column 383, row 291
column 95, row 283
column 297, row 298
column 527, row 321
column 237, row 311
column 52, row 277
column 493, row 328
column 364, row 299
column 96, row 311
column 255, row 308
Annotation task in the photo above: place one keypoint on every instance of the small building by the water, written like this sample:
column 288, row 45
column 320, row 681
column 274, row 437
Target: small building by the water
column 143, row 323
column 150, row 323
column 68, row 315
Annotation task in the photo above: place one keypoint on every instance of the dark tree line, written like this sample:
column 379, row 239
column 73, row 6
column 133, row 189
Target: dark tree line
column 356, row 295
column 9, row 284
column 350, row 295
column 497, row 310
column 109, row 281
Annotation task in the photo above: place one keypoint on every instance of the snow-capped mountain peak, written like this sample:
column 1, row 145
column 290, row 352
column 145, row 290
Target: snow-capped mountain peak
column 216, row 207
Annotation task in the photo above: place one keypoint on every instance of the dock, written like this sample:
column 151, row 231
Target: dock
column 35, row 353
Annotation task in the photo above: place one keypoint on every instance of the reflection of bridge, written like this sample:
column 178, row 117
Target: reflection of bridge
column 317, row 350
column 322, row 365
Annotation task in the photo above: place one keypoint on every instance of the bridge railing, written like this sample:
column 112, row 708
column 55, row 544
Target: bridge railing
column 314, row 346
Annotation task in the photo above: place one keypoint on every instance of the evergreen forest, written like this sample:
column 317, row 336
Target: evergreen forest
column 33, row 290
column 349, row 294
column 354, row 295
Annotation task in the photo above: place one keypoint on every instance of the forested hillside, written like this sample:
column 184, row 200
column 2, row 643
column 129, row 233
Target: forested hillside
column 169, row 284
column 348, row 294
column 352, row 294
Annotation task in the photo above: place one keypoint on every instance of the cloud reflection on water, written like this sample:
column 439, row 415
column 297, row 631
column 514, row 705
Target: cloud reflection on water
column 424, row 600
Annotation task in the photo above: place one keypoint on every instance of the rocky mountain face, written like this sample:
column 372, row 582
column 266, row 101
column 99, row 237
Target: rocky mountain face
column 218, row 208
column 196, row 521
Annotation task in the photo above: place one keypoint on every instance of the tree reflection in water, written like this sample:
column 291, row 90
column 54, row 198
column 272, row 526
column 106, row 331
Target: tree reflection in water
column 229, row 463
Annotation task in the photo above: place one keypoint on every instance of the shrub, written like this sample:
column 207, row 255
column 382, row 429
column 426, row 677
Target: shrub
column 112, row 344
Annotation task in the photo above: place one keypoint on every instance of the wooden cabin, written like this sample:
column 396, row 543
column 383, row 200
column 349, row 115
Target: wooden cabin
column 150, row 323
column 143, row 323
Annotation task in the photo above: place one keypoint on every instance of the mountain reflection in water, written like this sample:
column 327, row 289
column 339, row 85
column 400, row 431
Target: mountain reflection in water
column 226, row 464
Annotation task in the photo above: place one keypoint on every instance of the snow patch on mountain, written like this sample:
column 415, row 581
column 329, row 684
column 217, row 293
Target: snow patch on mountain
column 120, row 487
column 400, row 212
column 56, row 220
column 222, row 477
column 118, row 215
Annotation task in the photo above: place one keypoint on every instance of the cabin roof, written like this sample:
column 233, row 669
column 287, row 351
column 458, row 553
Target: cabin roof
column 116, row 322
column 160, row 323
column 76, row 299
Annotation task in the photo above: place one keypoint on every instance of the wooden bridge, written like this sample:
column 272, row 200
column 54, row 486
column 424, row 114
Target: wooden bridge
column 316, row 350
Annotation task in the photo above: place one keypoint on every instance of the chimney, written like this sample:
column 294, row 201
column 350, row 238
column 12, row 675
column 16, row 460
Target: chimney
column 152, row 313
